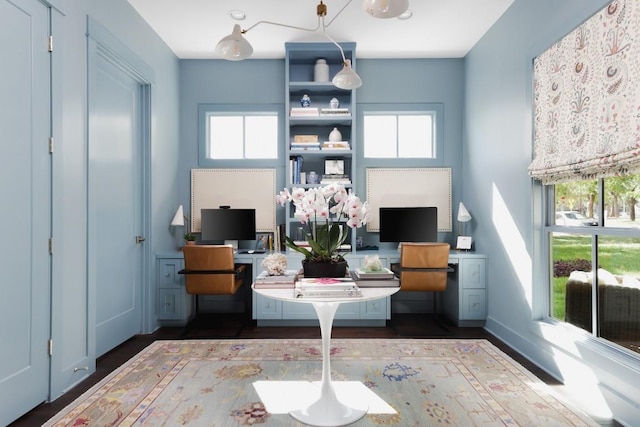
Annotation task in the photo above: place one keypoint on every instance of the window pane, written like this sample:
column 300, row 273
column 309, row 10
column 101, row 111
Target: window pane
column 576, row 204
column 261, row 137
column 415, row 136
column 571, row 285
column 380, row 136
column 619, row 290
column 621, row 201
column 225, row 137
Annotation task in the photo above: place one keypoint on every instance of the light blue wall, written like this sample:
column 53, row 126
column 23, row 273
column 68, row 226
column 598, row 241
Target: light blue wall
column 499, row 194
column 262, row 81
column 72, row 316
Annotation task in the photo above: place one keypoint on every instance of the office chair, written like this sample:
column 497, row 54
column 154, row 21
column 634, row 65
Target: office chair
column 210, row 270
column 424, row 267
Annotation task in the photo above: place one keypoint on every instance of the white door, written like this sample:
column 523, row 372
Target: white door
column 25, row 206
column 115, row 202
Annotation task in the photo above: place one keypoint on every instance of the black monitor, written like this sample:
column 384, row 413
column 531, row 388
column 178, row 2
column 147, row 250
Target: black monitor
column 229, row 225
column 411, row 224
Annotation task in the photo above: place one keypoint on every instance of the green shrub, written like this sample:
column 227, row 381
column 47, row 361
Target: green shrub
column 564, row 268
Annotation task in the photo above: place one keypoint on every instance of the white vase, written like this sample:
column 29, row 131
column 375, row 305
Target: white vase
column 335, row 135
column 321, row 71
column 334, row 103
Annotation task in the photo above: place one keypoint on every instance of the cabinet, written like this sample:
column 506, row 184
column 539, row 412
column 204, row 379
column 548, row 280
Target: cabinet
column 307, row 128
column 174, row 306
column 466, row 302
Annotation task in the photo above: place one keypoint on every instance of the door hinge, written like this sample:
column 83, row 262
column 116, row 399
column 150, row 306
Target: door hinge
column 51, row 145
column 50, row 347
column 50, row 246
column 50, row 43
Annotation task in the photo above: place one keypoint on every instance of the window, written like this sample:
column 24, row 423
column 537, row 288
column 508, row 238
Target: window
column 593, row 226
column 235, row 136
column 405, row 134
column 239, row 133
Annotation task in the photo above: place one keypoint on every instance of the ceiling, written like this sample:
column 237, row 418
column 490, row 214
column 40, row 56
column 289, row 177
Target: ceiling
column 437, row 29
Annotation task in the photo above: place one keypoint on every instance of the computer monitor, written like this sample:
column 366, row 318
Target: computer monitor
column 410, row 224
column 228, row 225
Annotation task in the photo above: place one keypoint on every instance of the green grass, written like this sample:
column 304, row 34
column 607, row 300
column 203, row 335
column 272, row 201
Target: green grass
column 619, row 255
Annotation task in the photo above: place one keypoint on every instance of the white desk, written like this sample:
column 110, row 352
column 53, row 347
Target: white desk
column 327, row 410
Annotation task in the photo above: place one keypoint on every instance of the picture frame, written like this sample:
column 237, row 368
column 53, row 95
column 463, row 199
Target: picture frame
column 334, row 167
column 464, row 243
column 264, row 241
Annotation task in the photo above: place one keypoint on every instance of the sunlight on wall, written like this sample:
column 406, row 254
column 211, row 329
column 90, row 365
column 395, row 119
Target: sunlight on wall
column 513, row 242
column 282, row 397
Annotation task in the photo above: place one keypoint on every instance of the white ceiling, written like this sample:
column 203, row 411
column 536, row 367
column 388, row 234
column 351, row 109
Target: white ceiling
column 438, row 28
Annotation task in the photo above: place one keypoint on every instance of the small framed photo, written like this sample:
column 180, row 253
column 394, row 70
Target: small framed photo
column 334, row 167
column 464, row 243
column 264, row 241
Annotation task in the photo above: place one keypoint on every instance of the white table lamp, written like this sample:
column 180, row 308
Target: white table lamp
column 464, row 242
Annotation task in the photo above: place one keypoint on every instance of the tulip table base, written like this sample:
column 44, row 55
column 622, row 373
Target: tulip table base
column 327, row 410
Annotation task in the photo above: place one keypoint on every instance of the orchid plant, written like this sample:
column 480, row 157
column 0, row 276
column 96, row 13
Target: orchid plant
column 325, row 213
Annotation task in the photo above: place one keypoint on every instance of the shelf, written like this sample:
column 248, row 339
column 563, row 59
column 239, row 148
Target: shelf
column 300, row 88
column 321, row 153
column 321, row 120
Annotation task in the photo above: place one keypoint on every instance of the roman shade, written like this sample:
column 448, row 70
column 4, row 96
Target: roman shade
column 587, row 100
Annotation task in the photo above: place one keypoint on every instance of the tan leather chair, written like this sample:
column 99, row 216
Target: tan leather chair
column 424, row 267
column 210, row 270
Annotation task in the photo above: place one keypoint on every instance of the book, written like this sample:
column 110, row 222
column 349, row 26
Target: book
column 305, row 138
column 266, row 281
column 304, row 112
column 385, row 273
column 326, row 288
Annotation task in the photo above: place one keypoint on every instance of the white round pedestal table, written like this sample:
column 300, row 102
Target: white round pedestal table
column 327, row 410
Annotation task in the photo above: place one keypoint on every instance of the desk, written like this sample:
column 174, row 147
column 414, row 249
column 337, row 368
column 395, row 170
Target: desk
column 464, row 300
column 327, row 410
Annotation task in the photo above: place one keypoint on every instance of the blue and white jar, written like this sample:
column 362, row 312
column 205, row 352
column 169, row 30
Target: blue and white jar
column 305, row 101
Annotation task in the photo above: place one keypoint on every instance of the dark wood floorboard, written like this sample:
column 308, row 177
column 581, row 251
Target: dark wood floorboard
column 233, row 327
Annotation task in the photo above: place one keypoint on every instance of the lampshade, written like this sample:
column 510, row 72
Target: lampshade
column 347, row 78
column 463, row 213
column 234, row 47
column 178, row 218
column 385, row 8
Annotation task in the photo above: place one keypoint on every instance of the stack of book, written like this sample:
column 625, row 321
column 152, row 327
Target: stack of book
column 375, row 279
column 336, row 145
column 305, row 146
column 304, row 112
column 335, row 112
column 285, row 281
column 295, row 167
column 335, row 179
column 326, row 288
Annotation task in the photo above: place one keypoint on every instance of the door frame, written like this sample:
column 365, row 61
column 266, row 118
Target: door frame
column 101, row 41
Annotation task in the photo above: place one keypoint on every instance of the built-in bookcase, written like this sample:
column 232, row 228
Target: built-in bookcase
column 307, row 128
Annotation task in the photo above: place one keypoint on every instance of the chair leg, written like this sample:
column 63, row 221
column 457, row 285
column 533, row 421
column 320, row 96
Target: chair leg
column 436, row 312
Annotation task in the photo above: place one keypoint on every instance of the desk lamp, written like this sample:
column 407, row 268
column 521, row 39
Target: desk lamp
column 464, row 242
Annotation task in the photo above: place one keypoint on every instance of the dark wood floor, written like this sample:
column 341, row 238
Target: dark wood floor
column 402, row 326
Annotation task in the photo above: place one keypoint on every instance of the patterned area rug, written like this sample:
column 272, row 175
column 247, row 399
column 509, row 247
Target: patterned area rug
column 403, row 382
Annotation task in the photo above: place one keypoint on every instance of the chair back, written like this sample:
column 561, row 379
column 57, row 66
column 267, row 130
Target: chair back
column 218, row 261
column 424, row 256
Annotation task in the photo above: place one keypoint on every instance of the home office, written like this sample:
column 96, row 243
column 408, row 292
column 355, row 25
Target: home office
column 483, row 96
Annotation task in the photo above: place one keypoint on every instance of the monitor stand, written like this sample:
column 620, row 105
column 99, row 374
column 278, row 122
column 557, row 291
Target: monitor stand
column 233, row 243
column 400, row 247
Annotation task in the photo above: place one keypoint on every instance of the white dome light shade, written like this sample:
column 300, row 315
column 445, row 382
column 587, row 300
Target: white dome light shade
column 234, row 47
column 385, row 8
column 347, row 78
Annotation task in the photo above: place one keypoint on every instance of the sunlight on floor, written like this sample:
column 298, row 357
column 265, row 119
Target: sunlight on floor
column 282, row 397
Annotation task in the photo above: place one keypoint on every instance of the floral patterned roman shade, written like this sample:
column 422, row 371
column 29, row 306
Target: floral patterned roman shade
column 587, row 99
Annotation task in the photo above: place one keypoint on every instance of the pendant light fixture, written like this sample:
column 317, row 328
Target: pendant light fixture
column 235, row 47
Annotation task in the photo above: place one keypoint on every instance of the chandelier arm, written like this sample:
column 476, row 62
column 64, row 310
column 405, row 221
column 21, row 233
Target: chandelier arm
column 282, row 25
column 337, row 14
column 344, row 60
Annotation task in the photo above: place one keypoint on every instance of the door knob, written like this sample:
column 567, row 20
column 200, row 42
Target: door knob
column 139, row 239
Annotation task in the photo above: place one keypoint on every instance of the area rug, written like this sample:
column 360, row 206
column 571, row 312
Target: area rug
column 403, row 382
